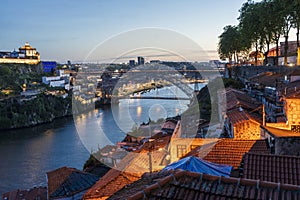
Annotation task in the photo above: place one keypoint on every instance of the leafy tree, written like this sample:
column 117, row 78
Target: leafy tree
column 285, row 11
column 230, row 43
column 250, row 24
column 296, row 18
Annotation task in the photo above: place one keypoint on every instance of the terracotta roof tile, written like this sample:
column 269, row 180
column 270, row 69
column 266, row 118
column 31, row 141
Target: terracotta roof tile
column 66, row 181
column 273, row 168
column 236, row 98
column 111, row 182
column 130, row 169
column 231, row 151
column 189, row 185
column 237, row 116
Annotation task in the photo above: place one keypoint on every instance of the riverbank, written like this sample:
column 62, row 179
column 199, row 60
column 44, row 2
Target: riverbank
column 21, row 112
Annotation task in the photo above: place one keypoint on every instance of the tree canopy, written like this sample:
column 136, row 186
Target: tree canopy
column 260, row 25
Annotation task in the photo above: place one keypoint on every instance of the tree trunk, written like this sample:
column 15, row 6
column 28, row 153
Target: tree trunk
column 266, row 53
column 286, row 47
column 297, row 34
column 256, row 53
column 234, row 56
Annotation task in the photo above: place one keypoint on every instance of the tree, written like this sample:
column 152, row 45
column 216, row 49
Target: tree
column 230, row 44
column 250, row 24
column 286, row 12
column 296, row 18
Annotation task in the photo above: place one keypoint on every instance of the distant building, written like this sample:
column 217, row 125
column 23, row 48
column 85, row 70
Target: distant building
column 61, row 80
column 154, row 61
column 131, row 62
column 49, row 66
column 141, row 60
column 26, row 55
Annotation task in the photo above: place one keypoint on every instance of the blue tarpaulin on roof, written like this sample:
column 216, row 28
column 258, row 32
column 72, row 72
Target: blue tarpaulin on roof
column 198, row 165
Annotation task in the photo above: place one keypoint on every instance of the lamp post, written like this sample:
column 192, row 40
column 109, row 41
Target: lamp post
column 167, row 156
column 151, row 148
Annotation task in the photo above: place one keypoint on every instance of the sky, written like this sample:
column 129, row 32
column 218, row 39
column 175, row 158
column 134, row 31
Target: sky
column 64, row 30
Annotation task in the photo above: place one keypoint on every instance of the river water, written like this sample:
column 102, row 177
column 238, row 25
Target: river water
column 27, row 154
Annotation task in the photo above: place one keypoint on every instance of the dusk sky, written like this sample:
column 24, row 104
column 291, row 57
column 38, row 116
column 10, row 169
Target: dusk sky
column 64, row 30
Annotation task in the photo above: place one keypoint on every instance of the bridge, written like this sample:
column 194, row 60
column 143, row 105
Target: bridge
column 152, row 97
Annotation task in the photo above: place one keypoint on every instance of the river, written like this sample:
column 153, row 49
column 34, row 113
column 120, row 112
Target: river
column 27, row 154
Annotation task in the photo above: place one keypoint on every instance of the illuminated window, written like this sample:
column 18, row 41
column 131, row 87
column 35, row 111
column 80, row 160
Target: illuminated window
column 181, row 150
column 193, row 147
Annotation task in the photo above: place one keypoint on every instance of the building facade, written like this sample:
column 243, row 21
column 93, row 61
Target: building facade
column 26, row 55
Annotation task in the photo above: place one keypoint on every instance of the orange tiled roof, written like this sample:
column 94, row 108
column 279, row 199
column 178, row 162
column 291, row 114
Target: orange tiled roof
column 189, row 185
column 231, row 151
column 57, row 177
column 273, row 168
column 236, row 98
column 237, row 116
column 66, row 181
column 110, row 183
column 129, row 169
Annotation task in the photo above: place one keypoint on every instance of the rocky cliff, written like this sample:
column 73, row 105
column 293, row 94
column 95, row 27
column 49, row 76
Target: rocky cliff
column 17, row 112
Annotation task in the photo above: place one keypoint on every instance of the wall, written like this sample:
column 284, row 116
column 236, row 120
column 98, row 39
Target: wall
column 287, row 146
column 190, row 144
column 248, row 130
column 19, row 61
column 292, row 108
column 250, row 71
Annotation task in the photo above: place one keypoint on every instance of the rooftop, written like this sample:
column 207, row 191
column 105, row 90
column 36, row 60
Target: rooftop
column 190, row 185
column 280, row 133
column 273, row 168
column 64, row 182
column 110, row 183
column 130, row 169
column 34, row 193
column 27, row 47
column 239, row 115
column 267, row 79
column 236, row 98
column 231, row 151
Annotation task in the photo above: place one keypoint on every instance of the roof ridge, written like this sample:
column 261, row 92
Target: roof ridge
column 238, row 181
column 273, row 155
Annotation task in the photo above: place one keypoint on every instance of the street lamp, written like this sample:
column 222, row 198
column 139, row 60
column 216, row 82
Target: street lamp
column 167, row 156
column 151, row 148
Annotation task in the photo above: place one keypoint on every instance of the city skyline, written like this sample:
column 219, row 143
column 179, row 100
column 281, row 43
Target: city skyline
column 69, row 30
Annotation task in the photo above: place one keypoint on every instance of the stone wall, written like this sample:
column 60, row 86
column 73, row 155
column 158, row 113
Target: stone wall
column 287, row 146
column 244, row 72
column 292, row 108
column 248, row 130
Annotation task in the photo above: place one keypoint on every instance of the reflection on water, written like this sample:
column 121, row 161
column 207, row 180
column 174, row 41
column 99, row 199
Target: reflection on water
column 27, row 154
column 110, row 124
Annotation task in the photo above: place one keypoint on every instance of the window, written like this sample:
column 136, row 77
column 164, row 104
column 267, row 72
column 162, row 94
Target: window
column 181, row 150
column 193, row 147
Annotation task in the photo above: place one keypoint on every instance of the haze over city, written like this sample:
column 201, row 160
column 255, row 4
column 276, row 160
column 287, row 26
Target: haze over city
column 69, row 30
